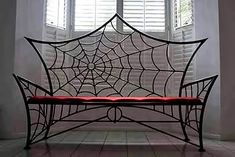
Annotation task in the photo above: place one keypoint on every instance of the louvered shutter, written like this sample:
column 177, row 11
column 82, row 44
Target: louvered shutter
column 55, row 29
column 145, row 15
column 183, row 31
column 56, row 12
column 91, row 14
column 183, row 13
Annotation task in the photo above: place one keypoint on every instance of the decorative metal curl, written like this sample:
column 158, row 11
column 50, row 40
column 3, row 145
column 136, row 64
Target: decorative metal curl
column 116, row 112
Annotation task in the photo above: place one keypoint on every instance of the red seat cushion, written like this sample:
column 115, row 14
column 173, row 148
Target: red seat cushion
column 113, row 100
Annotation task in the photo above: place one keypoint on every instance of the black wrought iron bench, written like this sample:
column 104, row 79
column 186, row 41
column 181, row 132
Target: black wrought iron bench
column 112, row 72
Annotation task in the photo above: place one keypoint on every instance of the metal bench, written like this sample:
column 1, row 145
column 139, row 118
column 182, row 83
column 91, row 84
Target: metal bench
column 114, row 71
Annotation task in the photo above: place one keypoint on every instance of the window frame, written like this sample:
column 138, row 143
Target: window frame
column 70, row 20
column 174, row 14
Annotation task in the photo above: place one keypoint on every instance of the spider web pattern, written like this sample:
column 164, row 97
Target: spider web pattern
column 111, row 63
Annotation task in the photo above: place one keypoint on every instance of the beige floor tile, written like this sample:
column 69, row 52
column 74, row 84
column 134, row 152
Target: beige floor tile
column 115, row 144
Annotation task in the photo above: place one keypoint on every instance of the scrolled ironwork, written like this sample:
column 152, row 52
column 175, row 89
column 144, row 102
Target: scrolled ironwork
column 114, row 114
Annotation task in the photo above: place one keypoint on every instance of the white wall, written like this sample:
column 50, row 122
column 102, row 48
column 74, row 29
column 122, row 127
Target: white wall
column 208, row 61
column 215, row 20
column 18, row 19
column 29, row 19
column 29, row 23
column 7, row 42
column 227, row 56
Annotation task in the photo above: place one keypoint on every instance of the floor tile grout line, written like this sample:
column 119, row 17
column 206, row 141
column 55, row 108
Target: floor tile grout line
column 210, row 154
column 225, row 147
column 18, row 152
column 45, row 142
column 77, row 147
column 155, row 154
column 212, row 146
column 127, row 150
column 101, row 149
column 174, row 145
column 47, row 145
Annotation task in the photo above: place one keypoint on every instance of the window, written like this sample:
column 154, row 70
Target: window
column 91, row 14
column 56, row 12
column 183, row 13
column 87, row 15
column 145, row 15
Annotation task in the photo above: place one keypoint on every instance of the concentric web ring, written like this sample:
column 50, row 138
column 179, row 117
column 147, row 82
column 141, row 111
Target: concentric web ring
column 110, row 62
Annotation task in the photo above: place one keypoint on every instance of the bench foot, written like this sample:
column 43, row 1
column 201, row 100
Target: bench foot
column 201, row 150
column 27, row 147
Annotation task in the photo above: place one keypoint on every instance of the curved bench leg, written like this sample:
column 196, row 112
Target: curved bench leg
column 183, row 125
column 201, row 149
column 27, row 145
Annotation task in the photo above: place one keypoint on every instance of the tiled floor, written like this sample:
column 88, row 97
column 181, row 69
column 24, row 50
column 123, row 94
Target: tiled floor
column 115, row 144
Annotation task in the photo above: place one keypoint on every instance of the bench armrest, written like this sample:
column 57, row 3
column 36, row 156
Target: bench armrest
column 199, row 88
column 29, row 89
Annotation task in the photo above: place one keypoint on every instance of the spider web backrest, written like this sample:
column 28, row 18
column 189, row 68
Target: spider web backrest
column 111, row 62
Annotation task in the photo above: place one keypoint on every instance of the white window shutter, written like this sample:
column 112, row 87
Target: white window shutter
column 145, row 15
column 55, row 27
column 56, row 13
column 91, row 14
column 182, row 13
